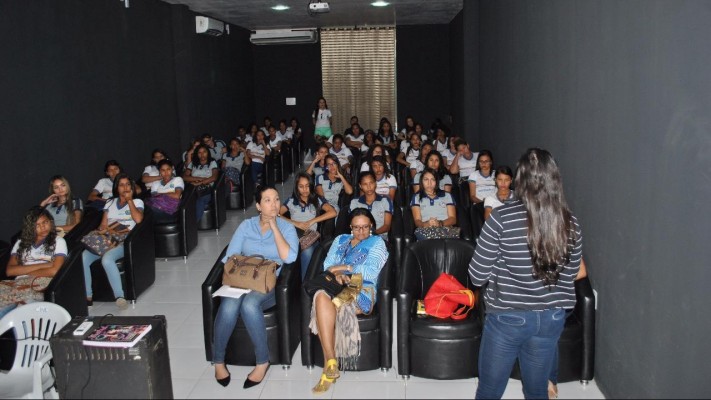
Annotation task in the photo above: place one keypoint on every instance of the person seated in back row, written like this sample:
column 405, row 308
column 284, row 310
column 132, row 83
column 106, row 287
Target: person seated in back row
column 103, row 189
column 165, row 193
column 66, row 209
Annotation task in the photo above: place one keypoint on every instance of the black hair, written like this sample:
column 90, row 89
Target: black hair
column 364, row 174
column 442, row 170
column 157, row 150
column 111, row 163
column 551, row 233
column 504, row 169
column 114, row 188
column 459, row 142
column 382, row 160
column 438, row 192
column 260, row 190
column 363, row 212
column 163, row 162
column 195, row 159
column 28, row 235
column 484, row 153
column 339, row 136
column 312, row 199
column 333, row 158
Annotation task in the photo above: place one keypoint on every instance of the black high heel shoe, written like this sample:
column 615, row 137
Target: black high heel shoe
column 226, row 380
column 248, row 383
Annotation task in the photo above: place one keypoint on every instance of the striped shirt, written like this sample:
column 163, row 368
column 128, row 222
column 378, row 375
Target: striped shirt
column 502, row 258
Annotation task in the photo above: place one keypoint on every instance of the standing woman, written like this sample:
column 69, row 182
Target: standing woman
column 202, row 173
column 127, row 211
column 481, row 181
column 276, row 240
column 322, row 121
column 64, row 208
column 330, row 184
column 529, row 252
column 304, row 208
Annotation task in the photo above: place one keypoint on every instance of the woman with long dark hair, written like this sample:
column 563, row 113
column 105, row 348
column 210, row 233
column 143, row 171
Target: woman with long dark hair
column 529, row 252
column 305, row 207
column 435, row 161
column 330, row 184
column 39, row 252
column 202, row 173
column 66, row 209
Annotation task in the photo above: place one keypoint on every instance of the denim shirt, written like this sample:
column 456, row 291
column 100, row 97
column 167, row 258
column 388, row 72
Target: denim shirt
column 248, row 240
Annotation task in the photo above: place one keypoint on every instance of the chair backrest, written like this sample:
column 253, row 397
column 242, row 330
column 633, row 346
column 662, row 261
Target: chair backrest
column 33, row 325
column 434, row 256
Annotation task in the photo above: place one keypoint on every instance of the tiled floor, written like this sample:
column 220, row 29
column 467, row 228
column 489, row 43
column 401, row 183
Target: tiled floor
column 176, row 294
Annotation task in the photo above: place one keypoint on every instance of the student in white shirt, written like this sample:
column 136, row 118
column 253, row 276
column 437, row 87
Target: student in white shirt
column 150, row 173
column 481, row 181
column 217, row 147
column 434, row 161
column 464, row 163
column 257, row 152
column 39, row 252
column 385, row 182
column 504, row 194
column 344, row 155
column 322, row 121
column 275, row 139
column 66, row 210
column 127, row 211
column 232, row 162
column 103, row 189
column 166, row 193
column 201, row 173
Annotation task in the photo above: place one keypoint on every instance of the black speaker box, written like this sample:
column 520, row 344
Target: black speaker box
column 141, row 371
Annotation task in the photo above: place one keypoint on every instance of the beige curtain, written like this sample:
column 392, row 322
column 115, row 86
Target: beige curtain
column 358, row 68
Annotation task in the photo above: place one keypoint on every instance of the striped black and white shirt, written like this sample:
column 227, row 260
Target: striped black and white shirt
column 503, row 259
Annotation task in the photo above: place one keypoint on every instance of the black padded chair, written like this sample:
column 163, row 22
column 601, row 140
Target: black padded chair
column 179, row 237
column 240, row 198
column 216, row 213
column 137, row 267
column 476, row 218
column 275, row 173
column 375, row 329
column 282, row 321
column 429, row 347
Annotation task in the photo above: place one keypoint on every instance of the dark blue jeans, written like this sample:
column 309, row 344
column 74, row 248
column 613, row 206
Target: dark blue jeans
column 257, row 172
column 201, row 204
column 530, row 336
column 251, row 308
column 306, row 255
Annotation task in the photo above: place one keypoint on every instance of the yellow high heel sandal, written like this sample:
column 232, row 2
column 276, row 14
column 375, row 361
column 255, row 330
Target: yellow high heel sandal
column 323, row 384
column 331, row 369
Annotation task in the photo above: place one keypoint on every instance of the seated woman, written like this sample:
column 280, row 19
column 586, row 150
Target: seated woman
column 232, row 162
column 387, row 136
column 276, row 240
column 165, row 193
column 435, row 162
column 375, row 150
column 380, row 206
column 104, row 187
column 257, row 152
column 65, row 209
column 318, row 165
column 481, row 181
column 127, row 211
column 359, row 252
column 150, row 173
column 330, row 184
column 504, row 194
column 409, row 151
column 368, row 142
column 39, row 252
column 201, row 173
column 385, row 181
column 432, row 207
column 188, row 154
column 418, row 164
column 305, row 207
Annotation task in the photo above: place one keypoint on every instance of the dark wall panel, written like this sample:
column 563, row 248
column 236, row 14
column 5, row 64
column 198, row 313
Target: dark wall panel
column 86, row 81
column 456, row 68
column 423, row 74
column 282, row 71
column 619, row 92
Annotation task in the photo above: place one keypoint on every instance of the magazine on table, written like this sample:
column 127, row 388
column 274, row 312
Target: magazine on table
column 117, row 335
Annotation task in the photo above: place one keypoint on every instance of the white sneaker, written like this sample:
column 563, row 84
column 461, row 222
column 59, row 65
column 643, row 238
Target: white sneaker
column 121, row 303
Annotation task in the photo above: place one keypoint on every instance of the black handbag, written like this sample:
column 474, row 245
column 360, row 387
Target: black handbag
column 324, row 281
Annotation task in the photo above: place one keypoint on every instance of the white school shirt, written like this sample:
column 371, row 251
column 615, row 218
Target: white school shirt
column 322, row 118
column 278, row 138
column 433, row 207
column 384, row 185
column 467, row 167
column 121, row 214
column 37, row 255
column 175, row 183
column 300, row 213
column 234, row 162
column 485, row 185
column 256, row 150
column 202, row 171
column 441, row 147
column 150, row 170
column 494, row 202
column 105, row 188
column 342, row 155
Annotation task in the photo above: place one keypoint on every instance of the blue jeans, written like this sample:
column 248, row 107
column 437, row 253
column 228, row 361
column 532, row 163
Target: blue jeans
column 306, row 259
column 257, row 172
column 108, row 261
column 201, row 204
column 530, row 336
column 251, row 307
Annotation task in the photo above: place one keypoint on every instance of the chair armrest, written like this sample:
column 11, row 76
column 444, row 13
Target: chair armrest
column 464, row 222
column 288, row 313
column 315, row 267
column 188, row 219
column 385, row 296
column 140, row 257
column 37, row 392
column 404, row 314
column 210, row 304
column 219, row 198
column 585, row 311
column 67, row 288
column 247, row 186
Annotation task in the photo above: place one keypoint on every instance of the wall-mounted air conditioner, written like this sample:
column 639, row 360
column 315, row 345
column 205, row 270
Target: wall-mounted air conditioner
column 284, row 36
column 209, row 26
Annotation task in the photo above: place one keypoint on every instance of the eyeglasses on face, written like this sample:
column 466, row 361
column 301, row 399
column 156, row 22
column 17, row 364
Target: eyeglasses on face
column 360, row 228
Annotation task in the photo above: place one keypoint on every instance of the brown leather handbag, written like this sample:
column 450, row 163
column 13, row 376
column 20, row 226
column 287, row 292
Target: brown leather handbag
column 250, row 272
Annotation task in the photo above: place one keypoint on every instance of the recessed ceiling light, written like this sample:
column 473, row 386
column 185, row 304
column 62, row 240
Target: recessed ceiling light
column 379, row 3
column 280, row 7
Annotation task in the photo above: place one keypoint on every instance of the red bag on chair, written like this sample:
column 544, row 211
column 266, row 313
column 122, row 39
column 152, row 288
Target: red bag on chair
column 447, row 298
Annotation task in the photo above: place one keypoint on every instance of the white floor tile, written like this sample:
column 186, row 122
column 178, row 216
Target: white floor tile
column 300, row 389
column 183, row 387
column 441, row 390
column 209, row 389
column 187, row 363
column 371, row 390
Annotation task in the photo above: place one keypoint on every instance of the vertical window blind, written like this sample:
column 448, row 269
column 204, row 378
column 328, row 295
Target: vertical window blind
column 358, row 71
